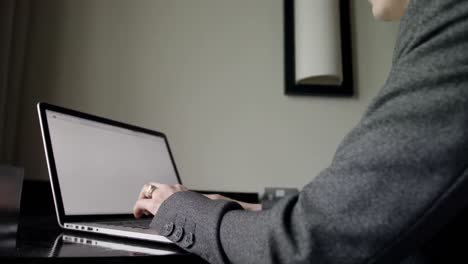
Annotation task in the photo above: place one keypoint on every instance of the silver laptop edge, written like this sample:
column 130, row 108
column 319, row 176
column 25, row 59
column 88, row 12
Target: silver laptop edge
column 41, row 123
column 146, row 234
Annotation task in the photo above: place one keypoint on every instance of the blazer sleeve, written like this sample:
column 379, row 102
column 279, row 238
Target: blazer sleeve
column 403, row 161
column 394, row 180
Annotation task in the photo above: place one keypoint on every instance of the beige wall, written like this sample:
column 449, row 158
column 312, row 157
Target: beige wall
column 208, row 73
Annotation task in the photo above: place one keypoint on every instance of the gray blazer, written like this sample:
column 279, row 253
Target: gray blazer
column 396, row 178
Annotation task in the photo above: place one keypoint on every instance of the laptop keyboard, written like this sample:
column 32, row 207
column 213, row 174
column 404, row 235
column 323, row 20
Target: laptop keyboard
column 138, row 224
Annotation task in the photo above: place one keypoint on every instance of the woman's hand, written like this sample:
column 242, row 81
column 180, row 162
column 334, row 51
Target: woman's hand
column 246, row 206
column 150, row 205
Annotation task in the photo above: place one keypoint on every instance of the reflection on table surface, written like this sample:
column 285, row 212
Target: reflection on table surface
column 41, row 238
column 108, row 245
column 76, row 245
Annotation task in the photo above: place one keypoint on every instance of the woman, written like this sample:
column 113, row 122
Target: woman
column 395, row 180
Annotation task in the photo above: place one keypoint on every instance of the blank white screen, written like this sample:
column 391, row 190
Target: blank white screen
column 101, row 168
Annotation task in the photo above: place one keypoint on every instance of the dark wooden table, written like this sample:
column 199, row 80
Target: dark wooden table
column 35, row 237
column 39, row 239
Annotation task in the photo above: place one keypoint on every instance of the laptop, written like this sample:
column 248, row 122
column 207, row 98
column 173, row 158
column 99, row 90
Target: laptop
column 97, row 168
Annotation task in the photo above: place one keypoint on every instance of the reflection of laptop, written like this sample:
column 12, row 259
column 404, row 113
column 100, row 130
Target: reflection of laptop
column 113, row 246
column 97, row 168
column 90, row 245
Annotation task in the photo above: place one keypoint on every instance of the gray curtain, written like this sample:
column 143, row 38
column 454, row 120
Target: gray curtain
column 14, row 16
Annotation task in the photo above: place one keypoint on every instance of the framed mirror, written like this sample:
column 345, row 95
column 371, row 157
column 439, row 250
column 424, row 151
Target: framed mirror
column 317, row 47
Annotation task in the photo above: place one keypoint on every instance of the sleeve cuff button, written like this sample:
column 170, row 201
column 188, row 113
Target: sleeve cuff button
column 188, row 240
column 168, row 228
column 178, row 233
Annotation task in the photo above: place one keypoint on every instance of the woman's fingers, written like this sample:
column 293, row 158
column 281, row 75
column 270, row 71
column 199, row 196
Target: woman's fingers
column 141, row 195
column 159, row 185
column 143, row 207
column 149, row 205
column 145, row 187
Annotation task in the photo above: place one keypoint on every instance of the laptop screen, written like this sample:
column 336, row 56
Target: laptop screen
column 101, row 168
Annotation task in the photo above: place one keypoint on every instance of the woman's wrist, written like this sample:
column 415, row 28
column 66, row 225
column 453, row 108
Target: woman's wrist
column 251, row 206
